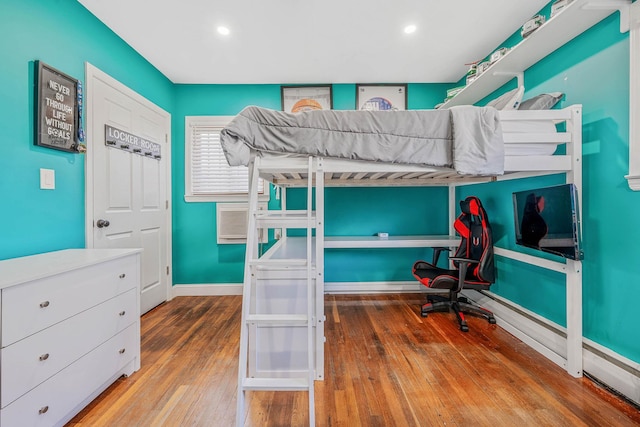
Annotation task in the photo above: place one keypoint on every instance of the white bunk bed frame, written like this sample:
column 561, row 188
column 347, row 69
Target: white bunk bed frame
column 289, row 172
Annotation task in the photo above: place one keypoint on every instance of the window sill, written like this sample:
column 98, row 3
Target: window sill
column 189, row 198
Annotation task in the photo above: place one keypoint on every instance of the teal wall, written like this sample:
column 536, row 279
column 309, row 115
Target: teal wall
column 365, row 211
column 64, row 35
column 592, row 70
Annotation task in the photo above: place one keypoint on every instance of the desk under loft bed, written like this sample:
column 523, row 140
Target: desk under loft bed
column 282, row 339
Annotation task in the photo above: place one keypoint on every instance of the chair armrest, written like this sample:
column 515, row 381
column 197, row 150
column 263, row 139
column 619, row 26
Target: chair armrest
column 463, row 264
column 464, row 260
column 436, row 253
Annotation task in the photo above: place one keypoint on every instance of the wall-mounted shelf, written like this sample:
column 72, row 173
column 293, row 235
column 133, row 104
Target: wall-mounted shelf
column 574, row 19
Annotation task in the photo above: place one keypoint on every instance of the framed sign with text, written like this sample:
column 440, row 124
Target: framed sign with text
column 57, row 109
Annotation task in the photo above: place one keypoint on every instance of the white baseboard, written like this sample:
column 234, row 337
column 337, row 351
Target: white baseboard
column 215, row 289
column 202, row 290
column 371, row 287
column 548, row 338
column 612, row 369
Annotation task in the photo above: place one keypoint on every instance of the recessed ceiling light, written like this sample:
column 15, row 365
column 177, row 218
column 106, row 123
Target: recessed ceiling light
column 223, row 30
column 409, row 29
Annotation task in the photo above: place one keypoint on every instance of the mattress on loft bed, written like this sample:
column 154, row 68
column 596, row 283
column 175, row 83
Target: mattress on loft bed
column 465, row 138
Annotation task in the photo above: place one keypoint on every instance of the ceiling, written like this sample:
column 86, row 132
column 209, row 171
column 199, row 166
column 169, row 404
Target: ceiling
column 312, row 41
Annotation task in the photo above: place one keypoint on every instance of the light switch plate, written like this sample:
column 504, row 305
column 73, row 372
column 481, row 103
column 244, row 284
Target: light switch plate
column 47, row 179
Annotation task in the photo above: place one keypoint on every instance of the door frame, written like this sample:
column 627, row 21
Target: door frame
column 92, row 73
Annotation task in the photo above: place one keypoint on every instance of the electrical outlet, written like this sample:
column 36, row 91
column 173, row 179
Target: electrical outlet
column 277, row 233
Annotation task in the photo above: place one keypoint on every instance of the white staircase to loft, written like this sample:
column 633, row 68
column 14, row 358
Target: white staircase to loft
column 282, row 331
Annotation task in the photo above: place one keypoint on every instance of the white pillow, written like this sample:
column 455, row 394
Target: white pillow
column 544, row 101
column 509, row 101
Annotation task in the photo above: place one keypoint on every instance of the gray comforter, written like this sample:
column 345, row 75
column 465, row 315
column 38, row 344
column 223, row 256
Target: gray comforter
column 465, row 138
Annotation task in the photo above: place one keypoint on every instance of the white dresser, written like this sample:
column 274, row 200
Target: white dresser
column 70, row 327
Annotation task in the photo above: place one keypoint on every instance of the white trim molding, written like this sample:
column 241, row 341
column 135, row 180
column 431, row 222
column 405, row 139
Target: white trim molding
column 634, row 97
column 371, row 287
column 219, row 289
column 615, row 371
column 206, row 290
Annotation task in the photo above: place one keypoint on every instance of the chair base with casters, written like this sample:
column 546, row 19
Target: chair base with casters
column 459, row 305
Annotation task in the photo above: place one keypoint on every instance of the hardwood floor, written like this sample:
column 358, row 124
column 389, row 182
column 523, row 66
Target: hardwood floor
column 385, row 366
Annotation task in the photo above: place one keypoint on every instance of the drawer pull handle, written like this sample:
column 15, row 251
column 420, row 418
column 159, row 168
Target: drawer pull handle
column 122, row 350
column 43, row 410
column 44, row 304
column 122, row 276
column 44, row 357
column 122, row 313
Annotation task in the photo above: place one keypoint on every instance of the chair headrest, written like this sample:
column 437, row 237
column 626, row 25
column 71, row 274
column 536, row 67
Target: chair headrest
column 470, row 205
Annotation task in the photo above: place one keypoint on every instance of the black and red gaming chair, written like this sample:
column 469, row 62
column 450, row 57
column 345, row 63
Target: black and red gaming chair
column 473, row 266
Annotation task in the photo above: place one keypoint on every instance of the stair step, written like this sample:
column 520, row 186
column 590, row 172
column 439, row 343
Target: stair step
column 278, row 319
column 279, row 264
column 291, row 260
column 285, row 219
column 283, row 384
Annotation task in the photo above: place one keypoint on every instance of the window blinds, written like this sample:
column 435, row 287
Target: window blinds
column 210, row 172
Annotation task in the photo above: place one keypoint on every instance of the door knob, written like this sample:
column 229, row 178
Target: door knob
column 102, row 223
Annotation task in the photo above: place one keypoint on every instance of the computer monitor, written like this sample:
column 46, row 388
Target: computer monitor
column 548, row 219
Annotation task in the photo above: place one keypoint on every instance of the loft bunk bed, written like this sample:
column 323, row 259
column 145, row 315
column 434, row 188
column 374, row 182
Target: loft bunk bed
column 282, row 336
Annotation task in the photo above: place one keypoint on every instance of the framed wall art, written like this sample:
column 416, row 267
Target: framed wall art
column 381, row 97
column 57, row 111
column 306, row 98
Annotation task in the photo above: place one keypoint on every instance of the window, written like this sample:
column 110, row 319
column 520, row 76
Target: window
column 208, row 176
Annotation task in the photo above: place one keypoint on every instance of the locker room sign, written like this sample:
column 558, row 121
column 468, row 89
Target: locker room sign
column 123, row 140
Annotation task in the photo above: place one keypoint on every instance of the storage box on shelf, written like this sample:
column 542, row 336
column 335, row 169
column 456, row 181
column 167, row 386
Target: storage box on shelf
column 569, row 22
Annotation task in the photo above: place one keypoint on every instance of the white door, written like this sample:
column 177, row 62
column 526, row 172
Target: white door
column 128, row 191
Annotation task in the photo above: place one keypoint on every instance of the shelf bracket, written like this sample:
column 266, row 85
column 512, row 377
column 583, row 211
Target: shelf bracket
column 620, row 5
column 633, row 182
column 518, row 75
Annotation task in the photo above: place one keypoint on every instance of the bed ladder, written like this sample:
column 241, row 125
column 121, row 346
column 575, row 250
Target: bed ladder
column 258, row 314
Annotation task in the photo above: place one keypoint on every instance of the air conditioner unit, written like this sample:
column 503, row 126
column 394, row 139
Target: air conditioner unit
column 231, row 223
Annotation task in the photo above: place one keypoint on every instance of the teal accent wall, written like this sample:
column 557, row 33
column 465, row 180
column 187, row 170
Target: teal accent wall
column 196, row 256
column 592, row 70
column 351, row 211
column 367, row 211
column 62, row 34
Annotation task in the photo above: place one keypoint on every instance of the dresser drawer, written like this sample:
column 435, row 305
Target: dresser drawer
column 58, row 398
column 33, row 306
column 31, row 361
